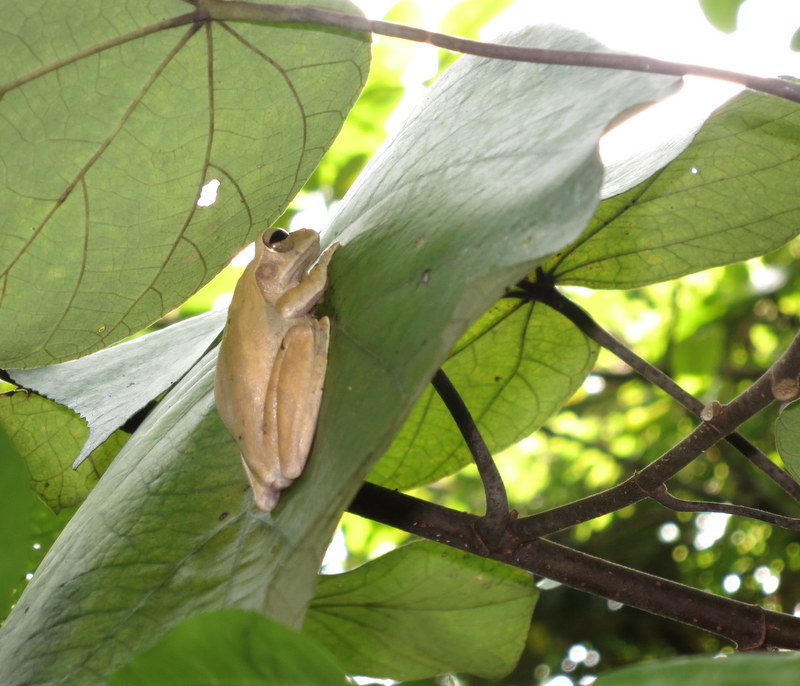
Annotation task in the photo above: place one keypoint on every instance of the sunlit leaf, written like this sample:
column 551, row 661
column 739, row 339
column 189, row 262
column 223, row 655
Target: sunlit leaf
column 49, row 436
column 706, row 208
column 231, row 648
column 114, row 115
column 722, row 13
column 514, row 368
column 423, row 610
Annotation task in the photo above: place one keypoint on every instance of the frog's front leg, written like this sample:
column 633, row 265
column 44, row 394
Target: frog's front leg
column 302, row 298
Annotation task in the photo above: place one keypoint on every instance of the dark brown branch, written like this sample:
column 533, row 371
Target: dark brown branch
column 724, row 421
column 492, row 526
column 749, row 626
column 236, row 10
column 663, row 496
column 545, row 292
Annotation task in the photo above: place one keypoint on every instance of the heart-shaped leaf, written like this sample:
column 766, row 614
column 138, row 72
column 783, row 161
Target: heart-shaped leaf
column 424, row 610
column 704, row 209
column 114, row 116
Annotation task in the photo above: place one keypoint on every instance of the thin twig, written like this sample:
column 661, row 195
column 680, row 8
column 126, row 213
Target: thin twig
column 749, row 626
column 663, row 496
column 724, row 422
column 545, row 292
column 236, row 10
column 497, row 513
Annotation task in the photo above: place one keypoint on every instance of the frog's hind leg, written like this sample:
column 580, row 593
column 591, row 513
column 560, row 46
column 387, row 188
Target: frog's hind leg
column 295, row 392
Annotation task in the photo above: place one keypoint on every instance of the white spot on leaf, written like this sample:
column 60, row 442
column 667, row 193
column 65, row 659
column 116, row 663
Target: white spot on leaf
column 208, row 194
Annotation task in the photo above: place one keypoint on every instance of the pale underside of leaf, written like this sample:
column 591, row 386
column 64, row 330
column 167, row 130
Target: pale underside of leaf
column 109, row 386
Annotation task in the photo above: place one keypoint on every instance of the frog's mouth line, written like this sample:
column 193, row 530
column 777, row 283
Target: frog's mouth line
column 301, row 266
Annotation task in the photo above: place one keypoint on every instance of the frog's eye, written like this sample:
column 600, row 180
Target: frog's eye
column 278, row 241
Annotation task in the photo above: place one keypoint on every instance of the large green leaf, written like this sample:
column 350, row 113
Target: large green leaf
column 424, row 610
column 231, row 648
column 114, row 115
column 515, row 367
column 707, row 208
column 736, row 670
column 464, row 201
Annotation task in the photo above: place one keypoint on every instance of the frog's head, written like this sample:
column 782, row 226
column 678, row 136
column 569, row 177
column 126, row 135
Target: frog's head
column 282, row 258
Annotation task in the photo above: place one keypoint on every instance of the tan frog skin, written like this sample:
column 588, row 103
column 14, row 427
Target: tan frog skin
column 272, row 361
